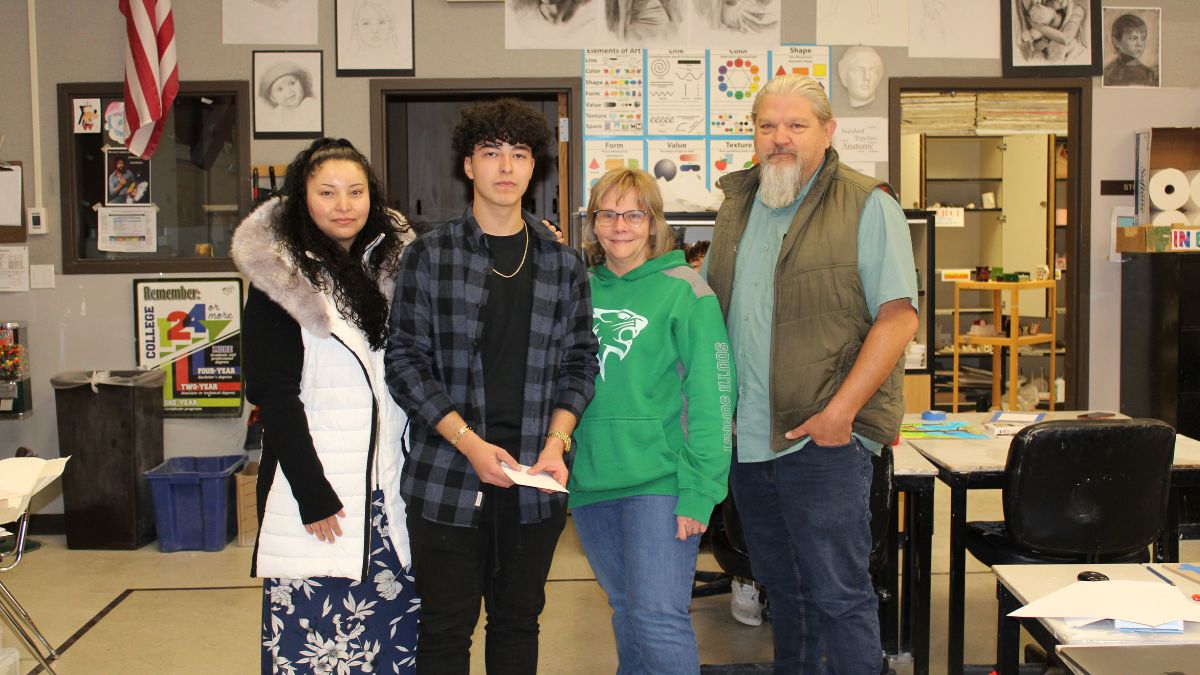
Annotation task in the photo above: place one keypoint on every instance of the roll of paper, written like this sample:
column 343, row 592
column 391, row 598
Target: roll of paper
column 1168, row 189
column 1169, row 218
column 1193, row 177
column 1193, row 216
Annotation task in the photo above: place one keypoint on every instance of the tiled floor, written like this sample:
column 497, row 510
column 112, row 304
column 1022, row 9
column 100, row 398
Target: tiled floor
column 135, row 612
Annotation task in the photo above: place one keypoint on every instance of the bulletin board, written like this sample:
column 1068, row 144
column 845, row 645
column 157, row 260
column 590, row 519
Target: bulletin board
column 683, row 115
column 12, row 203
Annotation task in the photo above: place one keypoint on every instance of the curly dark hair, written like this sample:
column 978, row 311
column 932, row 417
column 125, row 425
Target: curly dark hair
column 507, row 120
column 352, row 281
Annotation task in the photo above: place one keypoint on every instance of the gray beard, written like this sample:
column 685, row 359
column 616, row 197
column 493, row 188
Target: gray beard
column 780, row 184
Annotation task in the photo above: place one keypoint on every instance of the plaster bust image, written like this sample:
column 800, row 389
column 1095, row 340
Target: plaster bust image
column 861, row 71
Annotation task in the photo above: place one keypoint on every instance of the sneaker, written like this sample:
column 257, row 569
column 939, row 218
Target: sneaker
column 744, row 602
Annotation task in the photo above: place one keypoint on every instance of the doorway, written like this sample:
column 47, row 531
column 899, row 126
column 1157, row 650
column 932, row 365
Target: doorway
column 411, row 123
column 1065, row 203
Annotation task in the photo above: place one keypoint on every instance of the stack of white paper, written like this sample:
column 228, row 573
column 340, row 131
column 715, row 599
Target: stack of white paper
column 1149, row 603
column 23, row 477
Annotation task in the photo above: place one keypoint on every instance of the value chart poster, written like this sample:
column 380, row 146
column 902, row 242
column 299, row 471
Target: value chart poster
column 192, row 328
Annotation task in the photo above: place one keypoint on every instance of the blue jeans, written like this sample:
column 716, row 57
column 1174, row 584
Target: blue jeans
column 647, row 574
column 807, row 521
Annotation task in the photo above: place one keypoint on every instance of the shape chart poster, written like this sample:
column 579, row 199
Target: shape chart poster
column 675, row 96
column 612, row 92
column 612, row 154
column 810, row 60
column 735, row 76
column 678, row 166
column 191, row 328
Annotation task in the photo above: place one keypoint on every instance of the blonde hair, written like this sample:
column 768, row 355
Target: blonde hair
column 800, row 85
column 619, row 182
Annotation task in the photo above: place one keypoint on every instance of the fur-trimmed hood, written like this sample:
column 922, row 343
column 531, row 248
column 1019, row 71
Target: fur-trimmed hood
column 267, row 265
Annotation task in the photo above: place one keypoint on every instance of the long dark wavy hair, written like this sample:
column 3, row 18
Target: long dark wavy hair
column 352, row 281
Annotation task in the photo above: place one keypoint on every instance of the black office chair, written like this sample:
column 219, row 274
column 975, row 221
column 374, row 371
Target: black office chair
column 1080, row 491
column 728, row 542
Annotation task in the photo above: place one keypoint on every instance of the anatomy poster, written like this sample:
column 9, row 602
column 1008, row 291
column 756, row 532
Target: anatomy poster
column 613, row 104
column 675, row 97
column 861, row 139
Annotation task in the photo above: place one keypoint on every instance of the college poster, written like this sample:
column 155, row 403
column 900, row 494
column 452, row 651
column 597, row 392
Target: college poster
column 191, row 328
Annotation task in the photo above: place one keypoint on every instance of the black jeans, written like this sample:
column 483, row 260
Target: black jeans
column 503, row 562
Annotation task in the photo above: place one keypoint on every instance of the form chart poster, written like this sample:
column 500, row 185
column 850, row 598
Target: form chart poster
column 191, row 328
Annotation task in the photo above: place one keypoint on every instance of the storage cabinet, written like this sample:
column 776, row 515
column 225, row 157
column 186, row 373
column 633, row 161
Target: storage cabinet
column 1010, row 188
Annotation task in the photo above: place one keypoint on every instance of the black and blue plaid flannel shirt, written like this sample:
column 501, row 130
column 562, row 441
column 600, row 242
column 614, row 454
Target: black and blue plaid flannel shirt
column 434, row 364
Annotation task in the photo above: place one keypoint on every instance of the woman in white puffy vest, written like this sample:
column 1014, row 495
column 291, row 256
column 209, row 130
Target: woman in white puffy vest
column 332, row 546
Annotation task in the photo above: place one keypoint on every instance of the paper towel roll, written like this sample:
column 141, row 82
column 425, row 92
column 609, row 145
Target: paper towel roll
column 1168, row 189
column 1169, row 218
column 1193, row 216
column 1193, row 177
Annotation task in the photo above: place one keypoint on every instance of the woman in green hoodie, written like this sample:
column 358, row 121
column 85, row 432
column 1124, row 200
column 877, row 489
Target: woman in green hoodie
column 654, row 444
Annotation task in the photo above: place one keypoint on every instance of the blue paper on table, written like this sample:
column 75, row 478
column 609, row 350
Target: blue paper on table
column 938, row 430
column 1132, row 627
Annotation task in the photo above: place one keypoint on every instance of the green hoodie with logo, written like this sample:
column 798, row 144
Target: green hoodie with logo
column 661, row 422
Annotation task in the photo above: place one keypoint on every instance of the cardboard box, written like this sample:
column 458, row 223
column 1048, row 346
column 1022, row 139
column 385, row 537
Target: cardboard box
column 247, row 504
column 1162, row 148
column 1150, row 239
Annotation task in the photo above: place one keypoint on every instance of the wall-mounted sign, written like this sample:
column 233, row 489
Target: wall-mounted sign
column 192, row 329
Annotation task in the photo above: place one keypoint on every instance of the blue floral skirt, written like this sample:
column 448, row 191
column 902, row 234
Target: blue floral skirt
column 339, row 626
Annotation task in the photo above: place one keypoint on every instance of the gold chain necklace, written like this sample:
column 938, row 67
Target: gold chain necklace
column 519, row 265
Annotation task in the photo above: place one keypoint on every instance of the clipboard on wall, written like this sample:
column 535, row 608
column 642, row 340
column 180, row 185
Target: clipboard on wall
column 12, row 203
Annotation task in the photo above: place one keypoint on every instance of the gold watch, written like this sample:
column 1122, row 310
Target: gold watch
column 564, row 437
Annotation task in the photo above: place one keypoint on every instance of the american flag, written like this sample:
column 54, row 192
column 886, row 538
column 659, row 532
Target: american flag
column 151, row 73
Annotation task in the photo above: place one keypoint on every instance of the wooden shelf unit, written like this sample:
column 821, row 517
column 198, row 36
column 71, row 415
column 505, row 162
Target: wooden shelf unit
column 1013, row 341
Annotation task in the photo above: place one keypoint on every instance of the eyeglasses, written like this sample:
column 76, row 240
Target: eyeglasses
column 634, row 218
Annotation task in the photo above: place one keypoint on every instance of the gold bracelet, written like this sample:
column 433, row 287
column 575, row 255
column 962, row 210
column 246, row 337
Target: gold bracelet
column 564, row 437
column 459, row 434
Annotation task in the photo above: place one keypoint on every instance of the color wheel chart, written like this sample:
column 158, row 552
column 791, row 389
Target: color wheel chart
column 683, row 115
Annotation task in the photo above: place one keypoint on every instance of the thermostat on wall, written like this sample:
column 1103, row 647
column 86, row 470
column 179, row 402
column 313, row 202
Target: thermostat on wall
column 36, row 219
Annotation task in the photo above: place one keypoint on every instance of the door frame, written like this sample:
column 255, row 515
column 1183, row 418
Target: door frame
column 1079, row 196
column 569, row 92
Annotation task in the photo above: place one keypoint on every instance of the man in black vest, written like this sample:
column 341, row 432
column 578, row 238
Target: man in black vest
column 812, row 263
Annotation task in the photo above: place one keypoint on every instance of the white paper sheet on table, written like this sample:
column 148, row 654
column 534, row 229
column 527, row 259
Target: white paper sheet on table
column 1145, row 602
column 23, row 477
column 541, row 481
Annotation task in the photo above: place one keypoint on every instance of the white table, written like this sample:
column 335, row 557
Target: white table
column 970, row 464
column 905, row 624
column 1108, row 660
column 1018, row 585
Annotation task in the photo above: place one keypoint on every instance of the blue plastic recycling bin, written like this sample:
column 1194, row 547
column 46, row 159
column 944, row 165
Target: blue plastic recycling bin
column 193, row 502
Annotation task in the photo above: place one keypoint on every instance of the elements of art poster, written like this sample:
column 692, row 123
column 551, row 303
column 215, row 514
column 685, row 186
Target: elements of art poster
column 612, row 92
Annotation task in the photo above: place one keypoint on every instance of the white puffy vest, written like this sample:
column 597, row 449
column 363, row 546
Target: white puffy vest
column 338, row 402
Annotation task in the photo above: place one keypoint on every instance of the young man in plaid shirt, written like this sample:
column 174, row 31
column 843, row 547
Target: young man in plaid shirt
column 493, row 358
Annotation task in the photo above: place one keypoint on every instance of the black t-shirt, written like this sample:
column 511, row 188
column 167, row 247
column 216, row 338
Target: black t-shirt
column 506, row 336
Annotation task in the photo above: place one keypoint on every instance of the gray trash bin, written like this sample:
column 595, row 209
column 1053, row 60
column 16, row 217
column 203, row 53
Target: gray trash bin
column 111, row 424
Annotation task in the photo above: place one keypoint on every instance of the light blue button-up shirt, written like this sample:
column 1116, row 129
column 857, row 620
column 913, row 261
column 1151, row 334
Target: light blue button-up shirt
column 885, row 267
